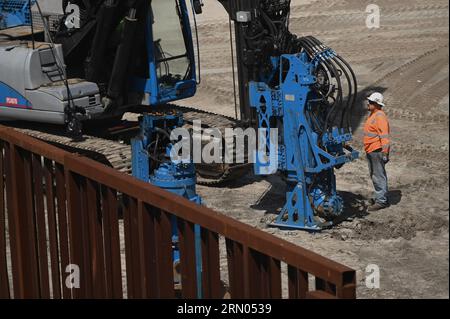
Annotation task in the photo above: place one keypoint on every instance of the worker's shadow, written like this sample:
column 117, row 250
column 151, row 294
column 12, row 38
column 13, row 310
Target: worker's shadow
column 395, row 197
column 247, row 179
column 355, row 206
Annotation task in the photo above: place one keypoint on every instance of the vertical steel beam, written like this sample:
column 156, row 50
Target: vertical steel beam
column 21, row 224
column 151, row 275
column 132, row 247
column 164, row 260
column 186, row 238
column 211, row 265
column 236, row 269
column 41, row 226
column 52, row 228
column 298, row 283
column 74, row 211
column 4, row 278
column 97, row 259
column 111, row 242
column 63, row 226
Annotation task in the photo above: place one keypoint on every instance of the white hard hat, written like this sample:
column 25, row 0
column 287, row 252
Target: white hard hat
column 377, row 98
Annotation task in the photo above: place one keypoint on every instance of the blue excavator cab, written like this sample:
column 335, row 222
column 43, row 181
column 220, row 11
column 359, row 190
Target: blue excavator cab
column 123, row 54
column 171, row 58
column 14, row 13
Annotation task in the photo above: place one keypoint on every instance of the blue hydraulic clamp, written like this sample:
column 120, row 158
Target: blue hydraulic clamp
column 151, row 162
column 307, row 157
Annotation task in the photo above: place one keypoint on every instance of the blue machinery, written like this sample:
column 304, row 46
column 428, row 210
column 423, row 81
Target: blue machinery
column 309, row 167
column 286, row 80
column 289, row 101
column 152, row 163
column 152, row 150
column 278, row 73
column 14, row 13
column 307, row 157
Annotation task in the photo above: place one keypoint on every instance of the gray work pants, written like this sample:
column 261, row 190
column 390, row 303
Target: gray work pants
column 378, row 174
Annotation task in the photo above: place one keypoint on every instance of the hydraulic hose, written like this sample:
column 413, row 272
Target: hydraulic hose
column 353, row 84
column 320, row 47
column 123, row 55
column 340, row 66
column 336, row 74
column 350, row 89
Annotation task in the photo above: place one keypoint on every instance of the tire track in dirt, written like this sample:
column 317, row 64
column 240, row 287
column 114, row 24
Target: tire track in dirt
column 403, row 226
column 410, row 43
column 321, row 18
column 406, row 114
column 407, row 65
column 431, row 152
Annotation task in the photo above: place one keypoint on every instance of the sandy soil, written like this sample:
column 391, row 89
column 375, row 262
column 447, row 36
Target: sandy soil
column 407, row 60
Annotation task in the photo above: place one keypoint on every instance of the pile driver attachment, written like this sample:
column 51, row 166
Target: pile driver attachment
column 302, row 95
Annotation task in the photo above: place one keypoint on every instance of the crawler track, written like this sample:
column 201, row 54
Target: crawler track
column 116, row 152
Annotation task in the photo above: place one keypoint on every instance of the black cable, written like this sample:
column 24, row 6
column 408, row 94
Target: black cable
column 336, row 74
column 270, row 24
column 330, row 73
column 332, row 119
column 234, row 74
column 312, row 52
column 163, row 132
column 355, row 85
column 347, row 110
column 254, row 37
column 312, row 47
column 156, row 146
column 32, row 24
column 345, row 116
column 198, row 44
column 163, row 58
column 10, row 37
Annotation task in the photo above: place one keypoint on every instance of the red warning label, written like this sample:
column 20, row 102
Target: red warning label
column 11, row 100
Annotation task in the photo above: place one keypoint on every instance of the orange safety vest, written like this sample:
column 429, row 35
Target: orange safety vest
column 376, row 133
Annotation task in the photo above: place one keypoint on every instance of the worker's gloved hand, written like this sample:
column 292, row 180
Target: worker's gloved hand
column 386, row 158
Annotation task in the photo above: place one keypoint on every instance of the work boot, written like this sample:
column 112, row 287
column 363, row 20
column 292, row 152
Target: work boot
column 376, row 206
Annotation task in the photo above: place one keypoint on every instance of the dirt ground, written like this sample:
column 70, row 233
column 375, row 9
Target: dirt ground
column 406, row 59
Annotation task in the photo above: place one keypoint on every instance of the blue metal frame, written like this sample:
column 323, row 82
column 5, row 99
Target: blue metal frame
column 151, row 86
column 307, row 165
column 178, row 178
column 11, row 98
column 14, row 13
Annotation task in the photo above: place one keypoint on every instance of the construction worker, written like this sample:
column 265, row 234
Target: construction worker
column 377, row 147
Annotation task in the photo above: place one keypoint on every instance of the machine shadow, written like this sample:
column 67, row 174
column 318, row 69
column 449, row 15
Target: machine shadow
column 273, row 200
column 247, row 179
column 354, row 207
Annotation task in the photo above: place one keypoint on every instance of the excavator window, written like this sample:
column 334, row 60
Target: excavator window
column 170, row 46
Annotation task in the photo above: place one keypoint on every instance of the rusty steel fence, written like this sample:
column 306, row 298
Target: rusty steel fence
column 59, row 209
